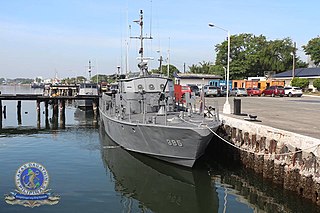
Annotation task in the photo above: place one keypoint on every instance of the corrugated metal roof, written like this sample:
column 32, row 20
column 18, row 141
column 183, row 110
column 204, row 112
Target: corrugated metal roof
column 301, row 72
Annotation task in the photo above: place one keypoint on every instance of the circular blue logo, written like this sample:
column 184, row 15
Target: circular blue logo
column 32, row 179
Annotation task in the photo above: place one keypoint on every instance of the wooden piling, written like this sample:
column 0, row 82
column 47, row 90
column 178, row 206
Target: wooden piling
column 55, row 112
column 46, row 112
column 62, row 113
column 1, row 114
column 5, row 112
column 95, row 111
column 19, row 113
column 38, row 114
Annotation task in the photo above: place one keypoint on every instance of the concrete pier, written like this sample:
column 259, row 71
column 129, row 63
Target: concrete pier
column 282, row 146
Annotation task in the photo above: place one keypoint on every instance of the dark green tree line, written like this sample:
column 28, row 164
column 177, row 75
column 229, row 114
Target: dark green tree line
column 251, row 55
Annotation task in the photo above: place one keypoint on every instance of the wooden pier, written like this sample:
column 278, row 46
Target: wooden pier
column 58, row 107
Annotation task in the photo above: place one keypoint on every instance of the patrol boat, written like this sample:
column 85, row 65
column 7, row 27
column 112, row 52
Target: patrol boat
column 142, row 117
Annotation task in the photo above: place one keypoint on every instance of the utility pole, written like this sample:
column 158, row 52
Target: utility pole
column 293, row 59
column 160, row 67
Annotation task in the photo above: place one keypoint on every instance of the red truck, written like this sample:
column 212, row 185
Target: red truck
column 274, row 91
column 179, row 92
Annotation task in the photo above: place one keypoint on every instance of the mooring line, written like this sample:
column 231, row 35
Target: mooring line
column 110, row 147
column 249, row 151
column 261, row 154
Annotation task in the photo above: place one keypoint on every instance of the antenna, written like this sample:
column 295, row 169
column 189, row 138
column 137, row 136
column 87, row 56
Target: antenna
column 168, row 66
column 89, row 70
column 150, row 17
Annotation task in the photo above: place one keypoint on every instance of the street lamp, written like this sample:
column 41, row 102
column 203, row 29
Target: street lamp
column 226, row 106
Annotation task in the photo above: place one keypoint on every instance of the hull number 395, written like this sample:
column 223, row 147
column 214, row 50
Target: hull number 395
column 174, row 142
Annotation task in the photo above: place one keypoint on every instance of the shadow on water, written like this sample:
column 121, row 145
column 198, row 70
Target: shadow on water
column 158, row 186
column 263, row 195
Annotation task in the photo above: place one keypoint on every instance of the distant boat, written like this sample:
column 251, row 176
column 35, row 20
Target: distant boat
column 141, row 116
column 36, row 85
column 86, row 89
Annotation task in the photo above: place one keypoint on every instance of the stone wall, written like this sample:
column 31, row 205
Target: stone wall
column 288, row 159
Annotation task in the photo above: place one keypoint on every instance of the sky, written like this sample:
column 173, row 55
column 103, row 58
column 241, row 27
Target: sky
column 41, row 38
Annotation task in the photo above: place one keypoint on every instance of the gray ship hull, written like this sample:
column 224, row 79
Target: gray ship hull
column 178, row 145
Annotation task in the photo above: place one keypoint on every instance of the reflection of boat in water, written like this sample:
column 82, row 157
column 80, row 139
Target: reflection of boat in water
column 157, row 185
column 83, row 117
column 141, row 117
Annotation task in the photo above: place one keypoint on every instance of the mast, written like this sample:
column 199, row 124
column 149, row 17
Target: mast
column 89, row 69
column 142, row 65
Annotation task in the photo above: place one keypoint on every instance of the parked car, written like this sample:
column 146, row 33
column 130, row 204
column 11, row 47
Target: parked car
column 254, row 91
column 238, row 92
column 194, row 88
column 211, row 91
column 223, row 91
column 293, row 91
column 274, row 91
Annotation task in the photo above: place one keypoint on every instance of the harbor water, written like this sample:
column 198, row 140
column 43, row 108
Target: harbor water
column 92, row 174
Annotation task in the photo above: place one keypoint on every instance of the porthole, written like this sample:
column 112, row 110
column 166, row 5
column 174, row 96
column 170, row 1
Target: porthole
column 161, row 86
column 140, row 87
column 151, row 86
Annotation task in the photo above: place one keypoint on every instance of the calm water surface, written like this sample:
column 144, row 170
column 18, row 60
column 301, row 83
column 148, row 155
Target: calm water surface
column 92, row 174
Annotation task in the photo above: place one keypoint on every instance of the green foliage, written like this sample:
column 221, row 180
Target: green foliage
column 76, row 80
column 164, row 70
column 100, row 78
column 300, row 82
column 206, row 68
column 316, row 84
column 251, row 55
column 313, row 49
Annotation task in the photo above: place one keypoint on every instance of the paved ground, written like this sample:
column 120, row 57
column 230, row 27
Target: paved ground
column 299, row 115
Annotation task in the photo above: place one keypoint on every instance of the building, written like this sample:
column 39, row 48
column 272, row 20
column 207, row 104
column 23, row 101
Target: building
column 310, row 73
column 196, row 79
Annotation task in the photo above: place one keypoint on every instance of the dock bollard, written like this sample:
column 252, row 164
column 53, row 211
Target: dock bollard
column 237, row 106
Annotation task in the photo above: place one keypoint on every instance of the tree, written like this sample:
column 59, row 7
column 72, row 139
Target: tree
column 99, row 78
column 194, row 68
column 313, row 49
column 251, row 55
column 300, row 82
column 172, row 69
column 203, row 68
column 316, row 84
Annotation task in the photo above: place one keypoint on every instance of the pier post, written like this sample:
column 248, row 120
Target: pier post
column 62, row 113
column 38, row 114
column 46, row 110
column 55, row 112
column 5, row 112
column 95, row 110
column 1, row 114
column 19, row 113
